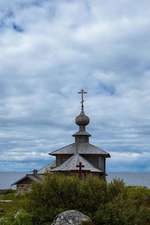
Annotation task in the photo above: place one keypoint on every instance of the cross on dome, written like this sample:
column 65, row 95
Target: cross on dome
column 82, row 92
column 82, row 120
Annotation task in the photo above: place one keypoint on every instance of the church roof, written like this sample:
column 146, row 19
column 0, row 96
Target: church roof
column 81, row 148
column 31, row 177
column 72, row 165
column 47, row 168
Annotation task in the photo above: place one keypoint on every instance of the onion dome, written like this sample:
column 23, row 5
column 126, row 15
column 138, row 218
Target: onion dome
column 82, row 119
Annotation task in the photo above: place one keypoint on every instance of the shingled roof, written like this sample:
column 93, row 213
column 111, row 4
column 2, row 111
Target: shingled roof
column 31, row 177
column 47, row 168
column 73, row 161
column 81, row 148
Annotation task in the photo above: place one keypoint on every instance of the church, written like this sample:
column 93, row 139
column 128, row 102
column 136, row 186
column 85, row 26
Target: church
column 79, row 158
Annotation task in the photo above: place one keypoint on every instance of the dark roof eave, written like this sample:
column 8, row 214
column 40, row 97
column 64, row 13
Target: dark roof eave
column 18, row 181
column 26, row 176
column 55, row 153
column 107, row 155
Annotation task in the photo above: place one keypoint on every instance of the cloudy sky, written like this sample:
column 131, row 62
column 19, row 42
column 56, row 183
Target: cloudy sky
column 49, row 50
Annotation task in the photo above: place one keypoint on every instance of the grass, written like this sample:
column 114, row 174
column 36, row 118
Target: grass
column 7, row 207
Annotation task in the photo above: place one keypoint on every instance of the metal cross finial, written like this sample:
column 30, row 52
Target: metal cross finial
column 82, row 92
column 80, row 166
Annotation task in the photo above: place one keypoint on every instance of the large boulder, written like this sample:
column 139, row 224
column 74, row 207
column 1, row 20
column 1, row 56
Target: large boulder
column 70, row 217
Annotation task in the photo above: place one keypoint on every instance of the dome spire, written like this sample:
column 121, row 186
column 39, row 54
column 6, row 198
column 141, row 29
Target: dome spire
column 82, row 92
column 82, row 120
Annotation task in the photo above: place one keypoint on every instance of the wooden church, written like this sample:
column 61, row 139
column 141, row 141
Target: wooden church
column 80, row 157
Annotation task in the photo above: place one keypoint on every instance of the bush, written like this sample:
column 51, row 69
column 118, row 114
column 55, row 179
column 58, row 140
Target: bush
column 59, row 193
column 106, row 204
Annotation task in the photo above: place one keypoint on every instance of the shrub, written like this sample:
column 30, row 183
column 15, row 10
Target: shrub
column 106, row 204
column 58, row 193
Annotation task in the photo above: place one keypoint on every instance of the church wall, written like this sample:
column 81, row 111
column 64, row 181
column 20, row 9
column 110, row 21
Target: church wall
column 24, row 186
column 61, row 159
column 96, row 160
column 101, row 163
column 93, row 159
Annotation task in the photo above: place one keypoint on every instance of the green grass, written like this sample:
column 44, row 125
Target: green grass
column 8, row 207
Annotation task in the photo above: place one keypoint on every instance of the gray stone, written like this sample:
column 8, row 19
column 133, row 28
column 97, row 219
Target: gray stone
column 70, row 217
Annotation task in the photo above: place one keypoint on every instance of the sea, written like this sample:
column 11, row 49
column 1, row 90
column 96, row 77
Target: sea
column 130, row 178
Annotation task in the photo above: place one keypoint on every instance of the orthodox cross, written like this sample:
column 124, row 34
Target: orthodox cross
column 80, row 166
column 82, row 92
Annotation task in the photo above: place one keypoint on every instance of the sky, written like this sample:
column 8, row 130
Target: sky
column 51, row 49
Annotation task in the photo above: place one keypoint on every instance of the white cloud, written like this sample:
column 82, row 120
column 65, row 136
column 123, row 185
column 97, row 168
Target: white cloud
column 62, row 47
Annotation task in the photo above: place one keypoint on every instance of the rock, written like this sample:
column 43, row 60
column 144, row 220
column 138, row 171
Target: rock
column 70, row 217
